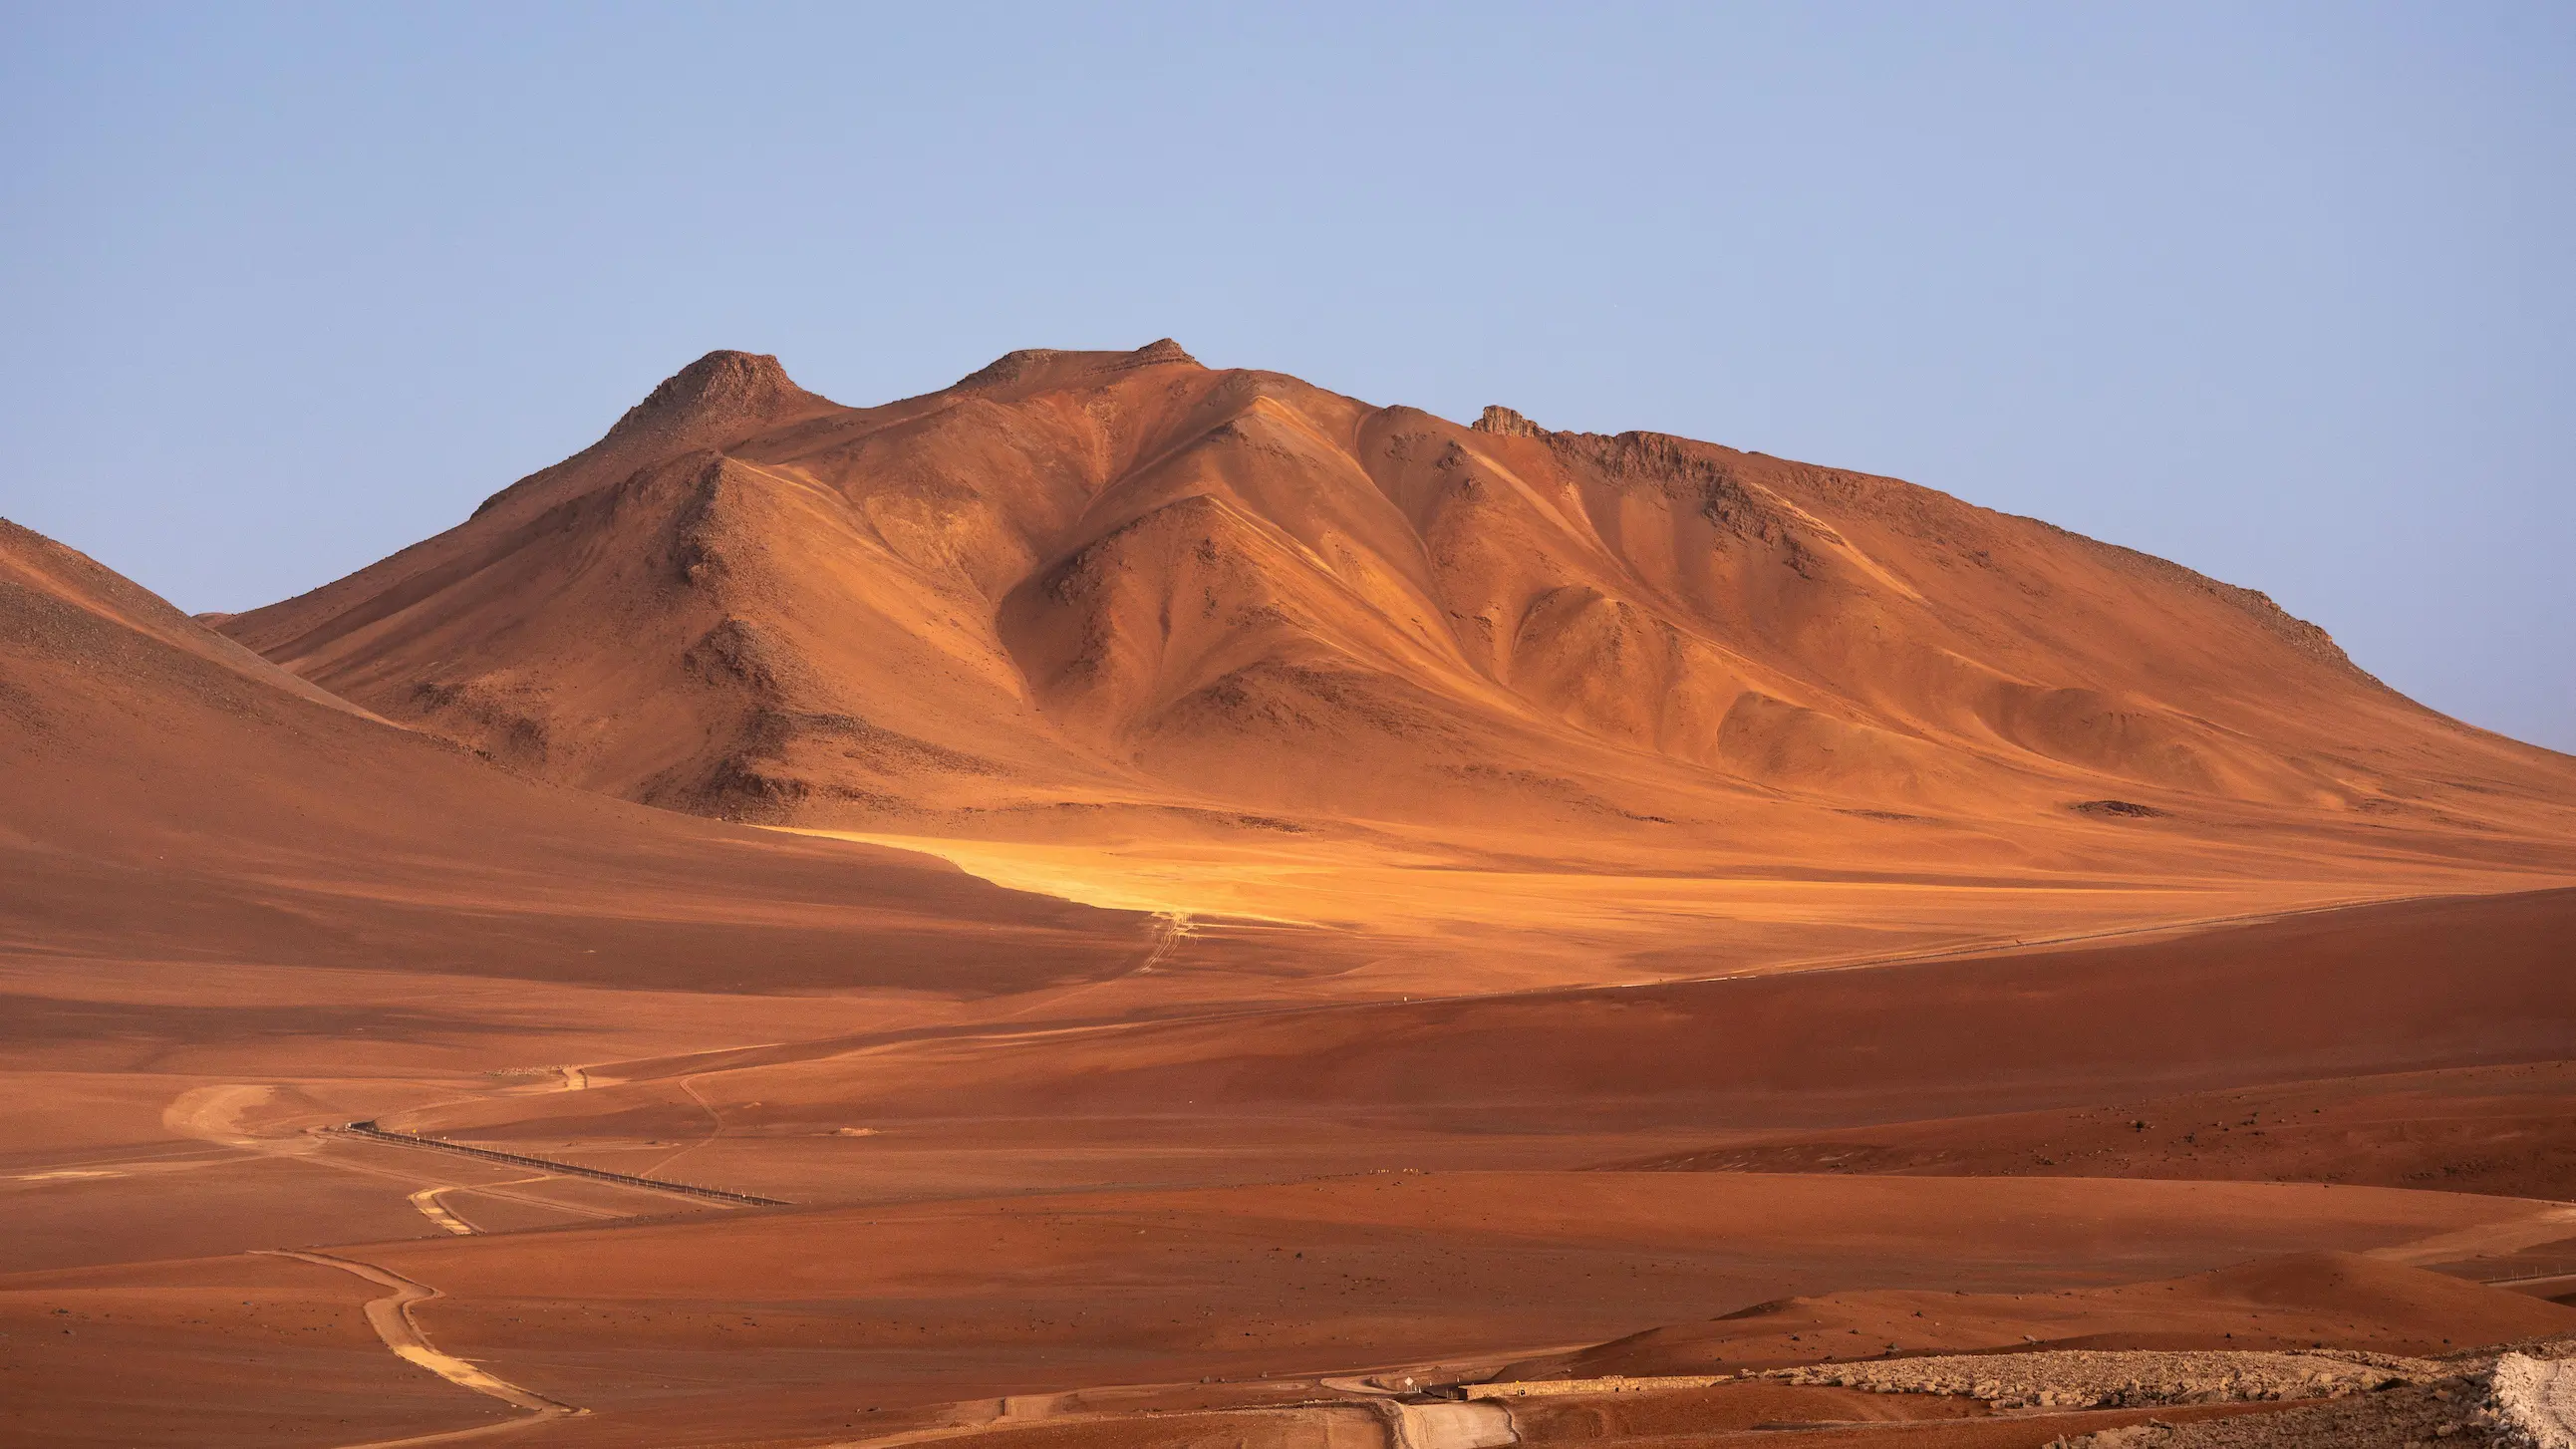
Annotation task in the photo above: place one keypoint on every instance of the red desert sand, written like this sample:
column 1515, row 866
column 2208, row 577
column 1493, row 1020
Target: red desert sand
column 1121, row 903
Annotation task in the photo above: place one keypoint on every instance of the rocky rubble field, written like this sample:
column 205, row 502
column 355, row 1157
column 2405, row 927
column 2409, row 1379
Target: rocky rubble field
column 2084, row 1379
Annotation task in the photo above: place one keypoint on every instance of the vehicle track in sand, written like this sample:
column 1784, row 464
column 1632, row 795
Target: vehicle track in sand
column 432, row 1203
column 426, row 1200
column 391, row 1318
column 715, row 1124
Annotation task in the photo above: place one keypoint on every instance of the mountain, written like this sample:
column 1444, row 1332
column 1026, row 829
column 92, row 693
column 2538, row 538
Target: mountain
column 167, row 795
column 1078, row 587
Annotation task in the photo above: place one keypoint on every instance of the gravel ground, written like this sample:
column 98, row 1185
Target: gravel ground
column 2452, row 1415
column 2082, row 1379
column 2362, row 1400
column 2537, row 1398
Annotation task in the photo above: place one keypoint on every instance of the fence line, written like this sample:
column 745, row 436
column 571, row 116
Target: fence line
column 372, row 1132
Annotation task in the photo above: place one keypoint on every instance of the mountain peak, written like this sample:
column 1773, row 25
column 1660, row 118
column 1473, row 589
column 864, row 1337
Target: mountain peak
column 1010, row 367
column 714, row 402
column 1052, row 363
column 720, row 388
column 1161, row 349
column 1502, row 420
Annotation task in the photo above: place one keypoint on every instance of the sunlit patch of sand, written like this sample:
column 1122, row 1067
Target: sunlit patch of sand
column 1598, row 924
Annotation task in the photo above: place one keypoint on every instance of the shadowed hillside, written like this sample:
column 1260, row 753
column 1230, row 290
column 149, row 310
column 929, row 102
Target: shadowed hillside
column 169, row 795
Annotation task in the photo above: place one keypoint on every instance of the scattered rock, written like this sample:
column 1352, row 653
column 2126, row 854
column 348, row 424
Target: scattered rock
column 2118, row 809
column 2123, row 1379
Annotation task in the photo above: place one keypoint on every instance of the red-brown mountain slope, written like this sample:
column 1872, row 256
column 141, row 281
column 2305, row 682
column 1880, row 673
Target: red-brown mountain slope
column 1077, row 579
column 166, row 794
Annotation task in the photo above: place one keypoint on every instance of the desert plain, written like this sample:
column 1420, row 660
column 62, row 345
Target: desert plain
column 1121, row 902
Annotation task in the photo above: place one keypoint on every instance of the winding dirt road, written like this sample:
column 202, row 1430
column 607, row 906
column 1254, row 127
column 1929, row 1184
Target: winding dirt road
column 391, row 1318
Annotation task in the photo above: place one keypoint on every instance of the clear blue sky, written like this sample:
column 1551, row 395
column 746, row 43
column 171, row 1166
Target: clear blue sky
column 2282, row 292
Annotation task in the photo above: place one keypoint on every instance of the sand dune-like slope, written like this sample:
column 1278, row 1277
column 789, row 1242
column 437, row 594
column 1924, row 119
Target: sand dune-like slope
column 166, row 794
column 846, row 1325
column 1077, row 583
column 2492, row 1129
column 2287, row 1302
column 2372, row 990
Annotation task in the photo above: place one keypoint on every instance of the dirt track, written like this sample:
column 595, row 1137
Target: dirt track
column 392, row 1320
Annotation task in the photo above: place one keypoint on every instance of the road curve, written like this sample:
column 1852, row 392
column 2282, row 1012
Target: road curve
column 431, row 1208
column 391, row 1318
